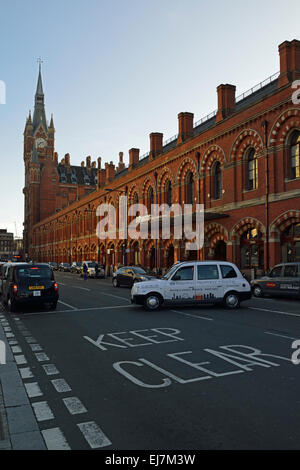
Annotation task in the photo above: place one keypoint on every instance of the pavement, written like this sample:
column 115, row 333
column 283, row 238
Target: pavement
column 100, row 373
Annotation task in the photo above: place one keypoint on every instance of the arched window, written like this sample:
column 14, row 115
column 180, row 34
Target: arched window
column 217, row 181
column 150, row 198
column 168, row 189
column 190, row 188
column 295, row 155
column 135, row 198
column 252, row 170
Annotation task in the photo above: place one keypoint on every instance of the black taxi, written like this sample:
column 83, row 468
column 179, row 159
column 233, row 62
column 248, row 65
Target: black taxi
column 282, row 280
column 30, row 284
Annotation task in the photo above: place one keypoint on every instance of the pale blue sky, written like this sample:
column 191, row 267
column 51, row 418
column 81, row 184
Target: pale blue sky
column 116, row 70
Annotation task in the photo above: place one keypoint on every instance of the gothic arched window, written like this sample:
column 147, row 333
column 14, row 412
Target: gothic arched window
column 190, row 188
column 217, row 181
column 150, row 198
column 252, row 170
column 168, row 189
column 295, row 155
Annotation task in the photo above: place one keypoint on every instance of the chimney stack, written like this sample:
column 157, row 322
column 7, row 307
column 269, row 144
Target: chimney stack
column 67, row 159
column 185, row 126
column 109, row 172
column 134, row 156
column 99, row 162
column 226, row 101
column 121, row 165
column 289, row 54
column 156, row 144
column 88, row 162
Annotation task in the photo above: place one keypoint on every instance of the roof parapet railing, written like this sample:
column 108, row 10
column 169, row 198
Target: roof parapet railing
column 171, row 139
column 214, row 113
column 205, row 118
column 257, row 87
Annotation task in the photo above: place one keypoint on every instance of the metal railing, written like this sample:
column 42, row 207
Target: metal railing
column 205, row 118
column 171, row 139
column 214, row 113
column 257, row 87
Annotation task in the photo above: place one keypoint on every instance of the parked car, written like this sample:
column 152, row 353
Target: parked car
column 53, row 265
column 283, row 279
column 194, row 283
column 76, row 267
column 29, row 284
column 65, row 267
column 93, row 270
column 128, row 275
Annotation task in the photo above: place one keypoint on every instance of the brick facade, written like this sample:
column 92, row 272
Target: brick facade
column 252, row 205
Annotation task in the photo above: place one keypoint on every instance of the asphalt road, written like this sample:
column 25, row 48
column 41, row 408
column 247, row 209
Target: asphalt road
column 104, row 374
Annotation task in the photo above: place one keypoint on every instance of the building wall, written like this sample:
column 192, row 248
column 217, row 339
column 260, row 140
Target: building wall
column 264, row 121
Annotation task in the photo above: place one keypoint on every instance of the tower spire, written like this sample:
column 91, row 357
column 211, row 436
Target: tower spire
column 39, row 115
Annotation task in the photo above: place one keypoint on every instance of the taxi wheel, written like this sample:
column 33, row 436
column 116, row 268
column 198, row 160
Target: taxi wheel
column 232, row 300
column 152, row 302
column 257, row 291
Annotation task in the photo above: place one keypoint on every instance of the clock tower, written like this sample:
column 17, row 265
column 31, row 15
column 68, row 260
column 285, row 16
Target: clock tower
column 41, row 175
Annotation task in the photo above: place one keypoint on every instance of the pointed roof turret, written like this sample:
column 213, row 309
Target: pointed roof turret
column 39, row 88
column 39, row 115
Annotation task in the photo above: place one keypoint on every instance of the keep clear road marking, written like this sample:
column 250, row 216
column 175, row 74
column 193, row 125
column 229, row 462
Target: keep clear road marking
column 194, row 316
column 274, row 311
column 55, row 440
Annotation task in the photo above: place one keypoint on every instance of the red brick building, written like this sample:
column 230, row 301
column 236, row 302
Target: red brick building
column 241, row 162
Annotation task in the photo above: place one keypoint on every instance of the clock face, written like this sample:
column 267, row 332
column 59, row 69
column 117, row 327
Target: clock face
column 41, row 143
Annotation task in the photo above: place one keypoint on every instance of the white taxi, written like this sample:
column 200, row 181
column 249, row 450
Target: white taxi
column 196, row 282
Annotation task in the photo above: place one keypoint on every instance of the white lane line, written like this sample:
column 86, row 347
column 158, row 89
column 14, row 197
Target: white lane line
column 42, row 411
column 282, row 336
column 11, row 342
column 78, row 310
column 7, row 329
column 193, row 316
column 20, row 359
column 41, row 357
column 9, row 335
column 67, row 305
column 33, row 390
column 74, row 405
column 50, row 369
column 82, row 288
column 16, row 349
column 61, row 385
column 26, row 373
column 55, row 440
column 35, row 347
column 94, row 435
column 275, row 311
column 116, row 296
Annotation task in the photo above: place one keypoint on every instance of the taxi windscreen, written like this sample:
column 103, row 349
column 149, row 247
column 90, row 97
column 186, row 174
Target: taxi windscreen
column 32, row 273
